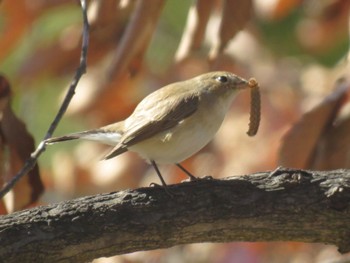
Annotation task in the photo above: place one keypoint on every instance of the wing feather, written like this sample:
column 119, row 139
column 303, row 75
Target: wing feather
column 152, row 117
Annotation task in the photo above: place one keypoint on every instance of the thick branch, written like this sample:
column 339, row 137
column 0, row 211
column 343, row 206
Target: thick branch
column 288, row 206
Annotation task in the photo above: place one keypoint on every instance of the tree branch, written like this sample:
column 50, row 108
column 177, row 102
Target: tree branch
column 291, row 205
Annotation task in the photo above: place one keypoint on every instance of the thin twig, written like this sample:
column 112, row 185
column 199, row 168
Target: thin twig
column 31, row 161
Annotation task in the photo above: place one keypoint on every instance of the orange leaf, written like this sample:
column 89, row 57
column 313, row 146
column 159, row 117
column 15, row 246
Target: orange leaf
column 300, row 142
column 236, row 14
column 196, row 24
column 333, row 151
column 284, row 7
column 18, row 144
column 107, row 23
column 137, row 35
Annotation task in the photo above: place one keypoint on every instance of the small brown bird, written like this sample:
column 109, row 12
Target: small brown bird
column 172, row 123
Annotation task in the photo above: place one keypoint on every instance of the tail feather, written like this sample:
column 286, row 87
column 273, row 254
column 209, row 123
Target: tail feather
column 103, row 136
column 61, row 139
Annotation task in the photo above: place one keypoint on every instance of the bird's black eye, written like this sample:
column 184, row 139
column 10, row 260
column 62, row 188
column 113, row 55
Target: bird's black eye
column 222, row 79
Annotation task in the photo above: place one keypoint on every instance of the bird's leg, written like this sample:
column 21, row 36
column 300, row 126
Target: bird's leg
column 158, row 173
column 280, row 169
column 165, row 186
column 191, row 176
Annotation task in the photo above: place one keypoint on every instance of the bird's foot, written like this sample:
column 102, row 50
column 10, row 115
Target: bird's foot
column 194, row 179
column 280, row 170
column 275, row 172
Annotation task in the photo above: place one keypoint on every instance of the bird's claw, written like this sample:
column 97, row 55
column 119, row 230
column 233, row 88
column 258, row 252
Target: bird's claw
column 194, row 179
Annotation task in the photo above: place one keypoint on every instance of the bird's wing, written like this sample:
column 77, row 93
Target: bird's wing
column 153, row 117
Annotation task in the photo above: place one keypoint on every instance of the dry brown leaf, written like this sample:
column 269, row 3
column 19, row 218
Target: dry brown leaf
column 115, row 103
column 284, row 7
column 107, row 23
column 17, row 20
column 325, row 28
column 4, row 98
column 299, row 145
column 333, row 150
column 236, row 14
column 193, row 35
column 17, row 146
column 3, row 210
column 19, row 16
column 136, row 37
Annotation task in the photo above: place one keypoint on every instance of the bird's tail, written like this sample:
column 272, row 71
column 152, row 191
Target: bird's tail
column 108, row 135
column 62, row 138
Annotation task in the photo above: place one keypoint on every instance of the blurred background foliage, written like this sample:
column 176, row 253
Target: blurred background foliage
column 297, row 50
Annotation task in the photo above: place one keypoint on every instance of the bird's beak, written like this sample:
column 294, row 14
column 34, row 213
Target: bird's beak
column 242, row 84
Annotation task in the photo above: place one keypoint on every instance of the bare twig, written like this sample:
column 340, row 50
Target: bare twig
column 31, row 161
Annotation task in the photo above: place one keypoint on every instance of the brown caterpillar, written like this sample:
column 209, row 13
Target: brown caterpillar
column 254, row 119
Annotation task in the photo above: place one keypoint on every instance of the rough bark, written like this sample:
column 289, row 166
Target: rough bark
column 291, row 205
